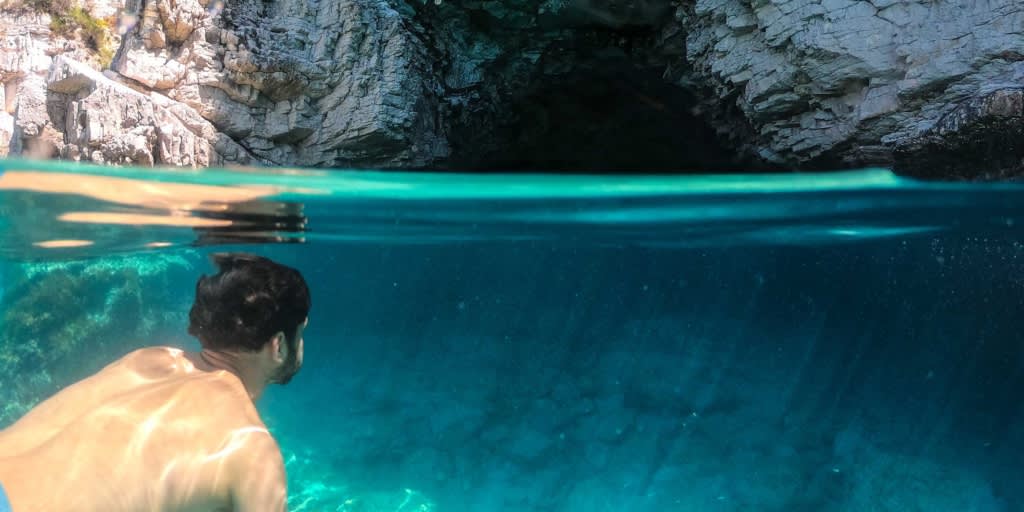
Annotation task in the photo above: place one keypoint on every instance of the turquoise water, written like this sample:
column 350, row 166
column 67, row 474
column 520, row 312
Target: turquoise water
column 845, row 342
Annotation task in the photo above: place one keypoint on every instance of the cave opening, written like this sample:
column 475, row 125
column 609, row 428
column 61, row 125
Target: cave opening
column 613, row 117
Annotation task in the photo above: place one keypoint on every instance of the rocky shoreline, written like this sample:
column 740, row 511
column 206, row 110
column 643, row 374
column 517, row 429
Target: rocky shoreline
column 929, row 88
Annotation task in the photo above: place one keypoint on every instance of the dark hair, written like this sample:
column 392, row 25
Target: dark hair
column 247, row 302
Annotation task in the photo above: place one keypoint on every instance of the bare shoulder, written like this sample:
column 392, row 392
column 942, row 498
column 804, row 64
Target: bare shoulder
column 85, row 397
column 159, row 376
column 154, row 362
column 258, row 482
column 258, row 445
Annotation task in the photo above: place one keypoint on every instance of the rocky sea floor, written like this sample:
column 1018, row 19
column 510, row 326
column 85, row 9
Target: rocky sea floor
column 495, row 425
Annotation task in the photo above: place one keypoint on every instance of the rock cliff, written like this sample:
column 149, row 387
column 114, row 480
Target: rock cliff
column 930, row 87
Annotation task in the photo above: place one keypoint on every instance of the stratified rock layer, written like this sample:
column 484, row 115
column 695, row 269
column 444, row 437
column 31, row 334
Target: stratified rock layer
column 106, row 122
column 847, row 82
column 924, row 86
column 315, row 84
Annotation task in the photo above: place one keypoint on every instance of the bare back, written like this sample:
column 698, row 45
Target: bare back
column 148, row 432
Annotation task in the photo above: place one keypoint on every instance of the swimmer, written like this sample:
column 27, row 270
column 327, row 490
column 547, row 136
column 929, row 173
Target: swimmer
column 165, row 430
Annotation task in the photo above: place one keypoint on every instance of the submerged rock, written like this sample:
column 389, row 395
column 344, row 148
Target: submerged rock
column 64, row 321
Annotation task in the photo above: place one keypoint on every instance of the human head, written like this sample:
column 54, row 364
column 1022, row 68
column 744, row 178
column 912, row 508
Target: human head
column 250, row 303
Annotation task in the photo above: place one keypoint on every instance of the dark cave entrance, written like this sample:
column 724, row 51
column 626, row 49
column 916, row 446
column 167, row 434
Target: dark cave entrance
column 612, row 118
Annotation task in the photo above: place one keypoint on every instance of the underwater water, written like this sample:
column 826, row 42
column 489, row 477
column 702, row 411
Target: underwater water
column 839, row 342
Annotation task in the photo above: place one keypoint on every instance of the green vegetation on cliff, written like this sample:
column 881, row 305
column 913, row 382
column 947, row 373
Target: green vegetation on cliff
column 67, row 19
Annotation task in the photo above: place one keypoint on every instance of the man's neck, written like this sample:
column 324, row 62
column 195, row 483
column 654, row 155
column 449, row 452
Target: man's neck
column 236, row 364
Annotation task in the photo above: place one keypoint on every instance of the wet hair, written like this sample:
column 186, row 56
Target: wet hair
column 249, row 301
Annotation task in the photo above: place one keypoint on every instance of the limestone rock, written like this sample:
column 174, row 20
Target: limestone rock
column 803, row 84
column 35, row 134
column 27, row 48
column 334, row 84
column 107, row 122
column 844, row 83
column 987, row 130
column 24, row 35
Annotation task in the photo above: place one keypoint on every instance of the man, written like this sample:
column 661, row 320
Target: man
column 167, row 431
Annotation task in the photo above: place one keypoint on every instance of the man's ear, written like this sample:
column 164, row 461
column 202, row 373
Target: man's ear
column 280, row 347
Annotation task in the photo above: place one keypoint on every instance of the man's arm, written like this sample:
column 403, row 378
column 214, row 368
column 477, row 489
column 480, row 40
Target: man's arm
column 258, row 483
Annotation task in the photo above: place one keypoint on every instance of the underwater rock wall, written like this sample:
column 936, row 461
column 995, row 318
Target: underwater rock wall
column 64, row 321
column 929, row 87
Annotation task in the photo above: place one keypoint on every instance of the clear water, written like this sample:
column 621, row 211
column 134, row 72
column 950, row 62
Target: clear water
column 846, row 342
